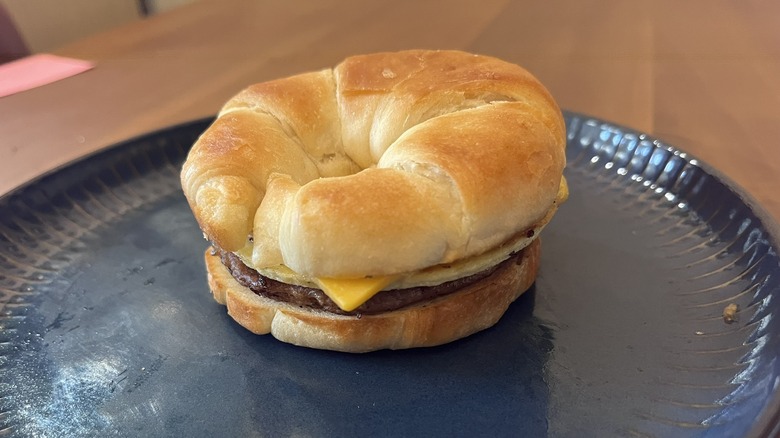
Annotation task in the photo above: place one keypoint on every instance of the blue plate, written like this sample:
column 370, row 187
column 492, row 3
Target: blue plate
column 107, row 327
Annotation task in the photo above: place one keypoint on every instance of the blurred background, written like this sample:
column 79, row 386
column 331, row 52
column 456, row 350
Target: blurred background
column 699, row 74
column 34, row 26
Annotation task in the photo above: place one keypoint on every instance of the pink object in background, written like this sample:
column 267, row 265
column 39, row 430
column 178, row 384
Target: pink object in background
column 37, row 70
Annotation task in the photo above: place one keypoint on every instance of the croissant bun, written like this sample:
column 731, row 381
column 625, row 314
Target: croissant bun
column 388, row 163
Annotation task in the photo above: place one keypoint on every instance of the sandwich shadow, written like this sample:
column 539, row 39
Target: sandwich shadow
column 492, row 382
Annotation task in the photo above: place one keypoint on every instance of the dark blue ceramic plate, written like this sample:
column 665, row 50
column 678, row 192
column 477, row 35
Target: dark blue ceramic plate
column 107, row 327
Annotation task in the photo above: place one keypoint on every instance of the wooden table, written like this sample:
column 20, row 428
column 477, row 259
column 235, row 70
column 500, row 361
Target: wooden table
column 703, row 75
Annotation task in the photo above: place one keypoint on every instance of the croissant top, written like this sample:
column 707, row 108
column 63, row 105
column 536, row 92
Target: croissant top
column 387, row 164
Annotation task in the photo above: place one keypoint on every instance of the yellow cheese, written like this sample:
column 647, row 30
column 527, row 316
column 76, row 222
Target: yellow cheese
column 350, row 293
column 563, row 191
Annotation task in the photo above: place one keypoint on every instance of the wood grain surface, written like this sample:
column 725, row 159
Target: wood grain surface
column 704, row 75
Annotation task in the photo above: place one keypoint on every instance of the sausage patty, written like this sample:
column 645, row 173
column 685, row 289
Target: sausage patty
column 309, row 297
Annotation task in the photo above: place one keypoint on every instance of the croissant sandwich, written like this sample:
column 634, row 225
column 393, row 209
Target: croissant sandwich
column 392, row 202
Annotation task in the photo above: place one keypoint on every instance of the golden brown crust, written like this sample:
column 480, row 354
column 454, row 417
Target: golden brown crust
column 445, row 319
column 458, row 153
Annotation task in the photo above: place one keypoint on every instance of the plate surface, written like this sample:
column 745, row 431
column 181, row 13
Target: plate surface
column 107, row 327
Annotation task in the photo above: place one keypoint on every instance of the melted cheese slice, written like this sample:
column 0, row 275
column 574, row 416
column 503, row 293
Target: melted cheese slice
column 350, row 293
